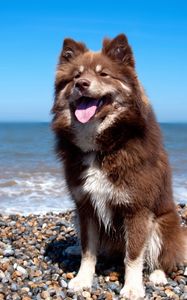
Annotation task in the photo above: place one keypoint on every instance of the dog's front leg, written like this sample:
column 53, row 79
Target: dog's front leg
column 137, row 232
column 89, row 243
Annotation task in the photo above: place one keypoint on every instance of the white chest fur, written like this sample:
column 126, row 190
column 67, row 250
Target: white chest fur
column 102, row 192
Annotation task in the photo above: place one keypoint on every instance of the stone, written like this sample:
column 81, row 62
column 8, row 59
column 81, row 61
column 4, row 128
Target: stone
column 55, row 277
column 16, row 274
column 2, row 224
column 86, row 294
column 8, row 252
column 113, row 276
column 14, row 287
column 45, row 295
column 2, row 274
column 25, row 289
column 69, row 275
column 171, row 294
column 63, row 283
column 108, row 296
column 183, row 296
column 22, row 270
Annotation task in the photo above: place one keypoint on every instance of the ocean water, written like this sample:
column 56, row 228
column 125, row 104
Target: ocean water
column 31, row 177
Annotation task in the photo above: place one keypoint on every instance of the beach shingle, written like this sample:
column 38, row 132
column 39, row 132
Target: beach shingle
column 40, row 254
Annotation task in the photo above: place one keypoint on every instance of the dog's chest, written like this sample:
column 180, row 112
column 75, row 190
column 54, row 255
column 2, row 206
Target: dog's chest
column 103, row 193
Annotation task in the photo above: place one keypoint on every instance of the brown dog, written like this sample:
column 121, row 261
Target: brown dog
column 115, row 165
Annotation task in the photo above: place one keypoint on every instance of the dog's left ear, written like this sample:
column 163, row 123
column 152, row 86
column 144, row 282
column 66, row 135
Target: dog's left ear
column 119, row 50
column 70, row 50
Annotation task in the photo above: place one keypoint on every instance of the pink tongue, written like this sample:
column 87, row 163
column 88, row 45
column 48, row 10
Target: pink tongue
column 86, row 110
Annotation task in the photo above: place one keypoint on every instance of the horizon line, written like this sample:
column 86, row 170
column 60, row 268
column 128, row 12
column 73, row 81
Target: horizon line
column 40, row 121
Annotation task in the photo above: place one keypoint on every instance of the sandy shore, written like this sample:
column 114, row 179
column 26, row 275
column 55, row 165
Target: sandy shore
column 40, row 254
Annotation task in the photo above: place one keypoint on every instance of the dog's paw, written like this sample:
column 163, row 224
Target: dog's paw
column 158, row 277
column 78, row 283
column 133, row 292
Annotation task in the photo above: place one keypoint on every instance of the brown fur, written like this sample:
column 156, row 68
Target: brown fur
column 128, row 150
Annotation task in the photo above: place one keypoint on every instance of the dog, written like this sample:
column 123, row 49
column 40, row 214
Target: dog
column 116, row 168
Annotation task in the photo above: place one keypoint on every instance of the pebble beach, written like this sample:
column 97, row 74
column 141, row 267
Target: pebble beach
column 39, row 254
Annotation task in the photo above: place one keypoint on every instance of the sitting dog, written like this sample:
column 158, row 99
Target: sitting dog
column 116, row 168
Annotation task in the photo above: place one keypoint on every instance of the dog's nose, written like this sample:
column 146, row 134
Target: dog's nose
column 82, row 84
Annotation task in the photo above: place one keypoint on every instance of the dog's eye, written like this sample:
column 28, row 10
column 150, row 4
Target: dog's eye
column 104, row 74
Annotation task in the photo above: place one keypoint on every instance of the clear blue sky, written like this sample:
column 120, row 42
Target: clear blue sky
column 31, row 35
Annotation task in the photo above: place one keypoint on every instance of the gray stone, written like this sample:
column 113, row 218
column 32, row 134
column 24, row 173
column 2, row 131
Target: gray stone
column 3, row 224
column 183, row 296
column 114, row 287
column 63, row 283
column 14, row 287
column 8, row 252
column 63, row 223
column 55, row 277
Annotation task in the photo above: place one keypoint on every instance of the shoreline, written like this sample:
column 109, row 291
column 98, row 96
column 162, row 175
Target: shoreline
column 39, row 254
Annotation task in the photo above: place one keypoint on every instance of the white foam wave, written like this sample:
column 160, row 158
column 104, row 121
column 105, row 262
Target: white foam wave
column 43, row 192
column 37, row 193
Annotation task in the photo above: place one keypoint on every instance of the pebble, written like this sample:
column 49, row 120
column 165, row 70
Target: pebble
column 8, row 252
column 14, row 287
column 183, row 296
column 86, row 294
column 45, row 295
column 69, row 275
column 63, row 283
column 113, row 276
column 171, row 294
column 40, row 254
column 22, row 270
column 2, row 274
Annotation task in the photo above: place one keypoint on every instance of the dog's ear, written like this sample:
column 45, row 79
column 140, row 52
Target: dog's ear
column 119, row 50
column 70, row 50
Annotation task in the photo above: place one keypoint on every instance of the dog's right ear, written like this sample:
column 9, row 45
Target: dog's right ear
column 119, row 50
column 70, row 50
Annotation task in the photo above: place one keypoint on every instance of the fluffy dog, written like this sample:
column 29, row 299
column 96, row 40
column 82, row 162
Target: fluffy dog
column 115, row 165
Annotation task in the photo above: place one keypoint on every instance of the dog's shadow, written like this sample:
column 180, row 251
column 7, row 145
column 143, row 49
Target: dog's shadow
column 67, row 254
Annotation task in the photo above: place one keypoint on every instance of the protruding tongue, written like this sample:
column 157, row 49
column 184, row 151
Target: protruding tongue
column 86, row 110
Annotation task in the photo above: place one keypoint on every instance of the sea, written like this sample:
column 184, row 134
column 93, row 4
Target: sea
column 31, row 177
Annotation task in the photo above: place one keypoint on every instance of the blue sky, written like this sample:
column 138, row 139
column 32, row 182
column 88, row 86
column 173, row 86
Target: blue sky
column 31, row 35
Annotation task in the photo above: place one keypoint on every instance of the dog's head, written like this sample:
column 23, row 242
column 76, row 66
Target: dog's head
column 97, row 91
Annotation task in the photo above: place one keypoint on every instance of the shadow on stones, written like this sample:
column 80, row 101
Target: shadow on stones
column 58, row 252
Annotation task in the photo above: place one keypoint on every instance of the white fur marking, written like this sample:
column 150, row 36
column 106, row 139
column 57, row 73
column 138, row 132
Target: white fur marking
column 81, row 69
column 98, row 68
column 125, row 87
column 87, row 268
column 154, row 247
column 102, row 191
column 158, row 277
column 133, row 288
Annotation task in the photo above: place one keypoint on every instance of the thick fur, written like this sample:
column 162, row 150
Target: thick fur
column 116, row 168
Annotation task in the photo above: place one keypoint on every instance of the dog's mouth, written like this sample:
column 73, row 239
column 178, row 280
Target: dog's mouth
column 87, row 107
